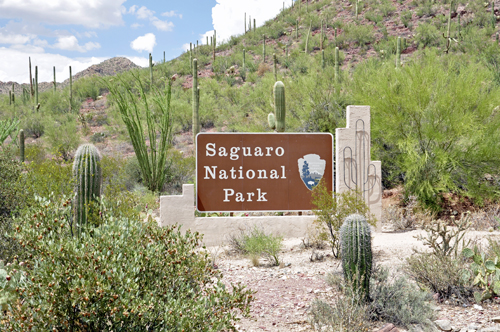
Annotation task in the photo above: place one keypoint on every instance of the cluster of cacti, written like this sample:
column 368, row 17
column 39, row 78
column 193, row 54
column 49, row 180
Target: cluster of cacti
column 87, row 174
column 196, row 116
column 276, row 120
column 356, row 252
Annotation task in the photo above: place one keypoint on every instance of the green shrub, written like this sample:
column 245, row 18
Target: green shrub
column 63, row 137
column 13, row 198
column 331, row 212
column 437, row 117
column 255, row 243
column 399, row 301
column 342, row 316
column 124, row 275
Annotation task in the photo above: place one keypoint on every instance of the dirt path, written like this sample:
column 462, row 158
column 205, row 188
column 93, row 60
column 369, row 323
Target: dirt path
column 284, row 295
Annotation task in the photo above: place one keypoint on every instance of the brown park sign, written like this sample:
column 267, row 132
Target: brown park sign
column 261, row 171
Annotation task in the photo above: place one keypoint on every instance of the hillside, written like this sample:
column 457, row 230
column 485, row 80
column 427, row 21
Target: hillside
column 108, row 67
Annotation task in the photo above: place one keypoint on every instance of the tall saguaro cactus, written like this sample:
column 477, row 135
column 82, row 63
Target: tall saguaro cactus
column 21, row 145
column 151, row 68
column 276, row 120
column 55, row 84
column 32, row 92
column 398, row 53
column 356, row 252
column 70, row 90
column 275, row 67
column 87, row 174
column 264, row 48
column 196, row 116
column 244, row 72
column 337, row 66
column 36, row 86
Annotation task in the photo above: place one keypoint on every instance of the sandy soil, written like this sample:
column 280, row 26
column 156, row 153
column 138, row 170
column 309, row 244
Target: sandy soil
column 284, row 294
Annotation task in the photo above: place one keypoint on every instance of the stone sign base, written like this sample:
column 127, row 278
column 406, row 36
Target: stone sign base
column 217, row 230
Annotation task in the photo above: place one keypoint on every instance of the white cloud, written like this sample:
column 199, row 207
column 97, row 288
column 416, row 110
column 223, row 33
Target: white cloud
column 205, row 35
column 162, row 25
column 132, row 9
column 14, row 65
column 70, row 43
column 93, row 13
column 144, row 13
column 136, row 25
column 228, row 15
column 185, row 47
column 144, row 43
column 142, row 62
column 171, row 13
column 13, row 38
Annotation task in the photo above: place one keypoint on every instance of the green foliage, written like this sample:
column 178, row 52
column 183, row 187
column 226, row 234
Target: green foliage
column 7, row 128
column 485, row 273
column 8, row 285
column 356, row 245
column 88, row 87
column 88, row 179
column 122, row 276
column 331, row 211
column 398, row 301
column 427, row 35
column 255, row 243
column 437, row 118
column 152, row 160
column 63, row 137
column 34, row 125
column 13, row 198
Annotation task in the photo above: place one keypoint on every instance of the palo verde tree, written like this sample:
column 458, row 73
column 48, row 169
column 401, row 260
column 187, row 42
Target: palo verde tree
column 134, row 104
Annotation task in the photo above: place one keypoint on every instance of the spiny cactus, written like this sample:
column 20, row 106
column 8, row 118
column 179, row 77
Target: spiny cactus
column 21, row 145
column 264, row 48
column 398, row 53
column 243, row 73
column 70, row 90
column 151, row 68
column 87, row 174
column 36, row 85
column 32, row 92
column 275, row 68
column 55, row 84
column 276, row 120
column 356, row 252
column 196, row 116
column 323, row 59
column 337, row 66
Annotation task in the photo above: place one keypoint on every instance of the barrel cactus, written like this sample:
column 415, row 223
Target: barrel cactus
column 356, row 251
column 277, row 120
column 87, row 174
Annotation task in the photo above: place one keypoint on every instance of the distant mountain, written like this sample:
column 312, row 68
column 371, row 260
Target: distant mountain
column 108, row 67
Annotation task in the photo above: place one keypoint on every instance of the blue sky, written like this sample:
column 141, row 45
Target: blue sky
column 80, row 33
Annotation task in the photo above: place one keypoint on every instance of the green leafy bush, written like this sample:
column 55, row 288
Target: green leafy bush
column 13, row 198
column 124, row 275
column 256, row 243
column 331, row 211
column 437, row 115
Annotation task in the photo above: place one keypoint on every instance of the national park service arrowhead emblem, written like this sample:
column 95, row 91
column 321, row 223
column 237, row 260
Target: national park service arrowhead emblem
column 311, row 170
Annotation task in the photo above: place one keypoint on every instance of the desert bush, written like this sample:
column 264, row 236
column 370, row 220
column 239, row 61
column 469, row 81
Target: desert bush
column 441, row 141
column 331, row 211
column 34, row 125
column 63, row 137
column 342, row 316
column 13, row 198
column 255, row 243
column 398, row 301
column 124, row 275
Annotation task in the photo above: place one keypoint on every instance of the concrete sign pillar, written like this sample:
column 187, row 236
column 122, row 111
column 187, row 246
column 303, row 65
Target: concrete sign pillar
column 354, row 169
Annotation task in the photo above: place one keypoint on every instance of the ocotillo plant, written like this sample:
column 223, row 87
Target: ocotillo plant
column 151, row 68
column 356, row 252
column 275, row 68
column 398, row 53
column 70, row 90
column 55, row 86
column 196, row 116
column 276, row 120
column 337, row 66
column 87, row 174
column 21, row 145
column 307, row 38
column 321, row 37
column 323, row 59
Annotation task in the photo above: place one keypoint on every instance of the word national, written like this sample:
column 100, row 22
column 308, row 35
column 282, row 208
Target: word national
column 240, row 174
